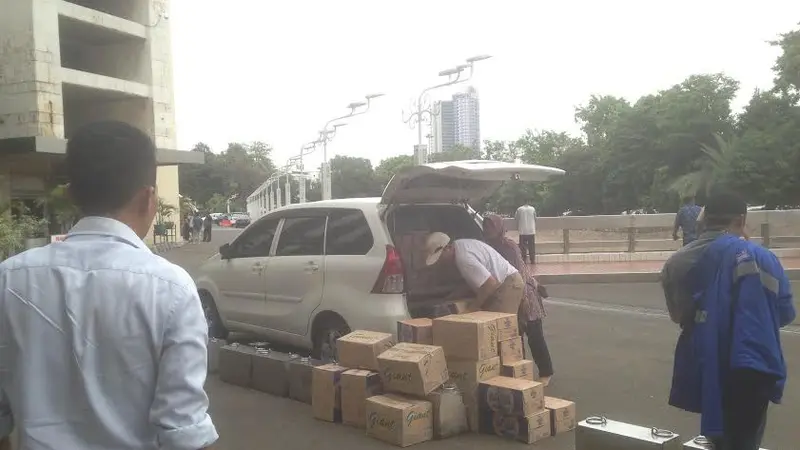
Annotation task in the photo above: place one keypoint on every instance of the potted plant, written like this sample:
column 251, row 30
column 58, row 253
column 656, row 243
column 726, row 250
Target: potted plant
column 20, row 231
column 60, row 208
column 164, row 212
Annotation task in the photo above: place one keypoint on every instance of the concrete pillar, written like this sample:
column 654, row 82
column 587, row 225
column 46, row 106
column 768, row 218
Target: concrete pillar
column 5, row 186
column 30, row 88
column 301, row 194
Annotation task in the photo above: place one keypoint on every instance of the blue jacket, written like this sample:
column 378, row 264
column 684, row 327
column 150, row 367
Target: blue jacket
column 741, row 300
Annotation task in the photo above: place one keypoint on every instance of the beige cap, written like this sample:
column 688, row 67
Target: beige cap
column 434, row 244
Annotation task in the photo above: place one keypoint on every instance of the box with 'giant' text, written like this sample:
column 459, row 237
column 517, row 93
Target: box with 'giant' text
column 413, row 369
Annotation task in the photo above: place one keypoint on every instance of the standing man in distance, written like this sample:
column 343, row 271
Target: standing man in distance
column 526, row 226
column 730, row 298
column 208, row 223
column 686, row 221
column 103, row 343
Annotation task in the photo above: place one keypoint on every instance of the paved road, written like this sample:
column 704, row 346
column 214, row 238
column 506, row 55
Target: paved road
column 611, row 357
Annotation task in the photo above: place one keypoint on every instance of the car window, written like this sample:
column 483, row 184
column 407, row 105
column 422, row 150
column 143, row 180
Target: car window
column 257, row 240
column 348, row 233
column 301, row 236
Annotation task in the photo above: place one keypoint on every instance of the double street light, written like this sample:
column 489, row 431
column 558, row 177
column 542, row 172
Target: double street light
column 454, row 76
column 326, row 135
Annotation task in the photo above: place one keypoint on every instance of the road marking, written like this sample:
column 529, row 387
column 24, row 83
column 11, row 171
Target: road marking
column 633, row 310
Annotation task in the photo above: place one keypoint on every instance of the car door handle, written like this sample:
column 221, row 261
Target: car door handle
column 312, row 267
column 258, row 267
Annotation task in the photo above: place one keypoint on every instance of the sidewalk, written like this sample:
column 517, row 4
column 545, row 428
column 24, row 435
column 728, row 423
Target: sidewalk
column 620, row 272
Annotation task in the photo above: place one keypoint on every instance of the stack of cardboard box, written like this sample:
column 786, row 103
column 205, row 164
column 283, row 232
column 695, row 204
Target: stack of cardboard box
column 394, row 391
column 484, row 353
column 445, row 376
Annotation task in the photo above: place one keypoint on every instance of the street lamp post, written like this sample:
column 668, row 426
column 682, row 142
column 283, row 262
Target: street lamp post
column 454, row 77
column 325, row 137
column 228, row 202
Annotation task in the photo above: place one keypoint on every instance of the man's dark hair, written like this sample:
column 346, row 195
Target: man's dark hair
column 722, row 207
column 106, row 164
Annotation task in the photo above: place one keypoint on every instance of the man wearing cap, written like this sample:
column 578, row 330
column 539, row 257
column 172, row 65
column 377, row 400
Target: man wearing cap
column 730, row 297
column 497, row 285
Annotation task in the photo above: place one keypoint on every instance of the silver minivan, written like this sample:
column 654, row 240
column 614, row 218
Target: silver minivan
column 306, row 274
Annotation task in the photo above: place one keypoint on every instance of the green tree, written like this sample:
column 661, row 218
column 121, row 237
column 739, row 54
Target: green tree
column 352, row 177
column 239, row 170
column 389, row 167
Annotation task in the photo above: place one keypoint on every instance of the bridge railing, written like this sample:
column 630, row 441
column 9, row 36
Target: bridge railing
column 647, row 232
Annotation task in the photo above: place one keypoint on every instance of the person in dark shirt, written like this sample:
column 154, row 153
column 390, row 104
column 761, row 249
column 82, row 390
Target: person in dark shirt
column 197, row 227
column 208, row 222
column 686, row 221
column 730, row 298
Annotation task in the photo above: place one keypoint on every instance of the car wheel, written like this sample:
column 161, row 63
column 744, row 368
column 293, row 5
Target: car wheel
column 216, row 329
column 330, row 330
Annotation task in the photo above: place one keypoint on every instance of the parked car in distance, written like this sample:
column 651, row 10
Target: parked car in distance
column 306, row 274
column 216, row 217
column 240, row 220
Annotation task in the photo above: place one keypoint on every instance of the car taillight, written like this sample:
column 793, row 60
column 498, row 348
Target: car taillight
column 391, row 278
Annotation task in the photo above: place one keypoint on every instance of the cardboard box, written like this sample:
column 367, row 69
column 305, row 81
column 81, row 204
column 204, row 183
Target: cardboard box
column 399, row 420
column 465, row 336
column 467, row 375
column 300, row 372
column 236, row 364
column 519, row 369
column 360, row 349
column 416, row 331
column 599, row 433
column 357, row 386
column 528, row 429
column 449, row 412
column 326, row 394
column 413, row 369
column 562, row 414
column 507, row 324
column 511, row 396
column 511, row 350
column 214, row 346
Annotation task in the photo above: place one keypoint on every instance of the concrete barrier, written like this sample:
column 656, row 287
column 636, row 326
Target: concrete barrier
column 773, row 229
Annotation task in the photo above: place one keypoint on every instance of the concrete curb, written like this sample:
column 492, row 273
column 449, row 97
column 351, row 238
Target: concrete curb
column 620, row 277
column 163, row 247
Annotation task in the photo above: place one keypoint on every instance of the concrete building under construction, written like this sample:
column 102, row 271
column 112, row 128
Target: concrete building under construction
column 67, row 63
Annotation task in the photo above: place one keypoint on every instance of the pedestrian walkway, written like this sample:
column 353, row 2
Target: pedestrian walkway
column 628, row 271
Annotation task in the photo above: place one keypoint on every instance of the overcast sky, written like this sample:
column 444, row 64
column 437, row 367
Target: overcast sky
column 276, row 71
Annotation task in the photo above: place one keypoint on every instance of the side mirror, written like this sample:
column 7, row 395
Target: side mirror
column 225, row 251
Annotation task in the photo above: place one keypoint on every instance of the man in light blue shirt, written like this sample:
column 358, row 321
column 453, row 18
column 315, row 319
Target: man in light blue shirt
column 103, row 343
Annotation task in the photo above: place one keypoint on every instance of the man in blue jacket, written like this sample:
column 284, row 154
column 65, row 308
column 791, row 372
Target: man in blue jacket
column 731, row 297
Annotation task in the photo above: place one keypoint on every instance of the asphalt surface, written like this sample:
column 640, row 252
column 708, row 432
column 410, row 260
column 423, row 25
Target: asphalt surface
column 612, row 350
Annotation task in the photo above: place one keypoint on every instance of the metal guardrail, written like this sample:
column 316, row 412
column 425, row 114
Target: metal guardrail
column 760, row 224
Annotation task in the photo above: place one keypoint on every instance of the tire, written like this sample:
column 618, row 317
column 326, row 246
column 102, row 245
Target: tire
column 329, row 330
column 216, row 329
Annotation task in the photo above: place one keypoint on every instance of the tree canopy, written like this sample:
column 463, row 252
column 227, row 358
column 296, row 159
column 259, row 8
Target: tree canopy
column 629, row 155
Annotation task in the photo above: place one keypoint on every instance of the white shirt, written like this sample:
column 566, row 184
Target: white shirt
column 102, row 346
column 477, row 261
column 526, row 220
